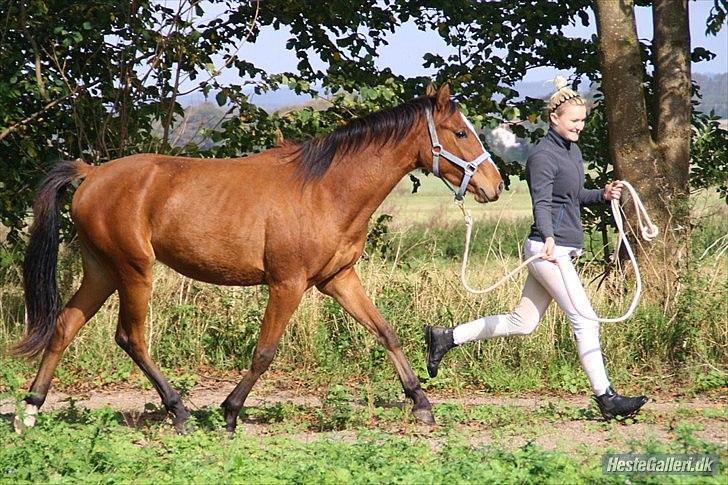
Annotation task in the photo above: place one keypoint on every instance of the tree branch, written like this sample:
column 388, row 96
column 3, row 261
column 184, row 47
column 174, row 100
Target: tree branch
column 32, row 117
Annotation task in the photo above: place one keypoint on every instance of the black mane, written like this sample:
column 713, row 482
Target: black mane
column 315, row 156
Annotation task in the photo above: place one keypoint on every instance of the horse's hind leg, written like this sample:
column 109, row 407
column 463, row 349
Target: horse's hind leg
column 134, row 294
column 283, row 300
column 347, row 289
column 94, row 290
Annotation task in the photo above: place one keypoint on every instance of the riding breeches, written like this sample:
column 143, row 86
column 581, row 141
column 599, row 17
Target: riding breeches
column 547, row 281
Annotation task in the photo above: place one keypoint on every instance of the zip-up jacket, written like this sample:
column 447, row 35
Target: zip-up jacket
column 555, row 176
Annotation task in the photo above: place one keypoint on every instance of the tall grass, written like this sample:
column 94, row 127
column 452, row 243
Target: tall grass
column 411, row 275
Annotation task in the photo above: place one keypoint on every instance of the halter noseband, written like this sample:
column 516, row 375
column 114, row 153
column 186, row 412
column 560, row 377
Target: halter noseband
column 469, row 168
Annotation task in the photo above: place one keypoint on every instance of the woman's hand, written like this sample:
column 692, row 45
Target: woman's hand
column 613, row 190
column 548, row 250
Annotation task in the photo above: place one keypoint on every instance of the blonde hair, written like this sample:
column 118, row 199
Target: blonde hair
column 563, row 96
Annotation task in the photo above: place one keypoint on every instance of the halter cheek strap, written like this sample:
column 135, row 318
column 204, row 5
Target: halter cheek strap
column 438, row 151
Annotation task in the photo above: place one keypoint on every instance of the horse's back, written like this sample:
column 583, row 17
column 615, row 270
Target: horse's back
column 207, row 219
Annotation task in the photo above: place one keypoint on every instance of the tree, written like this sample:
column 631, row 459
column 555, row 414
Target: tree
column 93, row 80
column 98, row 80
column 656, row 159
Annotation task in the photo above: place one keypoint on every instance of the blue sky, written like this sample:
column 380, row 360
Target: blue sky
column 407, row 45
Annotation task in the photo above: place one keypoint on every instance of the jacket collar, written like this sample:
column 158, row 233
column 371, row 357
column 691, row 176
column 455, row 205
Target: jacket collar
column 558, row 139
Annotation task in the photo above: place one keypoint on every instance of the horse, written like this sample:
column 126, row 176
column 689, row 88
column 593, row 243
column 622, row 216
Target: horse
column 292, row 217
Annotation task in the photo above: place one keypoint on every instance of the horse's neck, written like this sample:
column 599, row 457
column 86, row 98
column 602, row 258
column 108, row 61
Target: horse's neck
column 361, row 182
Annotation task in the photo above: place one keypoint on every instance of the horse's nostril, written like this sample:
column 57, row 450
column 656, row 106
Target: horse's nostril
column 501, row 186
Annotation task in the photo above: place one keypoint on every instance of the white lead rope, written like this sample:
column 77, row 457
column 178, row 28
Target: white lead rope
column 648, row 231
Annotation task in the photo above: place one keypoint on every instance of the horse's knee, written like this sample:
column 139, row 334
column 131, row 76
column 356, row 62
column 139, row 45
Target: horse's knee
column 64, row 332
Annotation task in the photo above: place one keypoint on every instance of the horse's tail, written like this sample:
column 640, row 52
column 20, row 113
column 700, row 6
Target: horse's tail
column 42, row 301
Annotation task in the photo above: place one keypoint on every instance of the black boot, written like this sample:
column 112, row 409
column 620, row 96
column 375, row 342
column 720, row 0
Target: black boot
column 612, row 404
column 439, row 341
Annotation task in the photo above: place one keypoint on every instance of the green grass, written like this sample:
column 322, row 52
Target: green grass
column 100, row 446
column 412, row 277
column 356, row 435
column 432, row 204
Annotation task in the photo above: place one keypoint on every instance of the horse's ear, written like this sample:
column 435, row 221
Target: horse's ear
column 442, row 100
column 430, row 90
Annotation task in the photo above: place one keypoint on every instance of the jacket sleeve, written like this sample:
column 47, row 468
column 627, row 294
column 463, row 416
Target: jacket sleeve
column 540, row 174
column 591, row 196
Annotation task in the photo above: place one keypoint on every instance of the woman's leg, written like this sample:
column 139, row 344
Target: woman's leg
column 523, row 320
column 585, row 329
column 535, row 299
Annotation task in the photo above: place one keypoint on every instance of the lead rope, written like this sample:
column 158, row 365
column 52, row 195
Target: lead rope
column 648, row 231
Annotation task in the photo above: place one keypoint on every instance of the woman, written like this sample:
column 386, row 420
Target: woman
column 555, row 176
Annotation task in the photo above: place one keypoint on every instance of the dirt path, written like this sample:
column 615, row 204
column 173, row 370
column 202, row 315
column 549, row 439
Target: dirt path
column 562, row 422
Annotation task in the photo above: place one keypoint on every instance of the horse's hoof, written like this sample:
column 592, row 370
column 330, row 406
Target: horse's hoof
column 424, row 415
column 230, row 430
column 28, row 419
column 183, row 428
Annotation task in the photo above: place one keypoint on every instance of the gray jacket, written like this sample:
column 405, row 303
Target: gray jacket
column 555, row 176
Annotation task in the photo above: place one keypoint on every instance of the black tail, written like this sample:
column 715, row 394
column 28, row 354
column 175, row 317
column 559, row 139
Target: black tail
column 42, row 302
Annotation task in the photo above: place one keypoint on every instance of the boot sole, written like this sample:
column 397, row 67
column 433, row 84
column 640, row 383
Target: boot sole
column 609, row 416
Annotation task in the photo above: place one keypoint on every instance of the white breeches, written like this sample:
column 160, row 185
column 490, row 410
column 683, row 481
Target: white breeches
column 545, row 283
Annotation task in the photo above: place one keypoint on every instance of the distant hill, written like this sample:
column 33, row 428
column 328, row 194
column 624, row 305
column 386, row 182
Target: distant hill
column 200, row 113
column 713, row 88
column 714, row 92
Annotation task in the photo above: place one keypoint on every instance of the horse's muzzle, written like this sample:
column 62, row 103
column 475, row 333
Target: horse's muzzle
column 482, row 196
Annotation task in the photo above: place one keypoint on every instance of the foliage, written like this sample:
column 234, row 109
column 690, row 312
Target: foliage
column 710, row 146
column 98, row 80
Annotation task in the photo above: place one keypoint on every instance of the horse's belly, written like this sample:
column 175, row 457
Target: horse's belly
column 224, row 259
column 219, row 272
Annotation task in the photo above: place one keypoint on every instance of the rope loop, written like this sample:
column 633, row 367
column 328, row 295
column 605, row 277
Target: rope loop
column 648, row 231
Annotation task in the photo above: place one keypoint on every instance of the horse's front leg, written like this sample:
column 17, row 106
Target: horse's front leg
column 347, row 289
column 283, row 300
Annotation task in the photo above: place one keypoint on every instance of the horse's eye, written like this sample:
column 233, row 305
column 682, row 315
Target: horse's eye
column 461, row 134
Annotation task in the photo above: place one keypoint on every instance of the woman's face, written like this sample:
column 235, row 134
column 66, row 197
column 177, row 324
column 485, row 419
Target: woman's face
column 569, row 121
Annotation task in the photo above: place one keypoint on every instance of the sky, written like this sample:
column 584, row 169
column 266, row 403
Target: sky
column 407, row 46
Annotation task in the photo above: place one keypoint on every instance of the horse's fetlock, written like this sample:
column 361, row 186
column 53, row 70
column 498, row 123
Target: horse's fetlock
column 35, row 399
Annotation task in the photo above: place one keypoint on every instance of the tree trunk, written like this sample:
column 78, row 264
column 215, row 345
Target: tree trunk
column 657, row 167
column 673, row 90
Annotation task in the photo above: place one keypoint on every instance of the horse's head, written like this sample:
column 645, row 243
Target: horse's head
column 454, row 152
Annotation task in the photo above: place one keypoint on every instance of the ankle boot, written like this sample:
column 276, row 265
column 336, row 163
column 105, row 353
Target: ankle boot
column 612, row 404
column 439, row 341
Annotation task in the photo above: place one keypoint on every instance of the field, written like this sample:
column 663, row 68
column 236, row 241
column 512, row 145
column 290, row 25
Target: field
column 331, row 410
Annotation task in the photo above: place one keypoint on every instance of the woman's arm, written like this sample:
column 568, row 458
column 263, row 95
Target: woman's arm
column 591, row 196
column 613, row 190
column 540, row 173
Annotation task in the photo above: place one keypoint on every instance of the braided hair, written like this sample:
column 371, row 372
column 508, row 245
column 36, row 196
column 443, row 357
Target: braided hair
column 563, row 96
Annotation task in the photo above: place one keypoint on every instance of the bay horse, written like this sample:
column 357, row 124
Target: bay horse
column 291, row 217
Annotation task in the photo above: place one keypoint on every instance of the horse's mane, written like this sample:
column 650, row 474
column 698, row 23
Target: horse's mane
column 315, row 156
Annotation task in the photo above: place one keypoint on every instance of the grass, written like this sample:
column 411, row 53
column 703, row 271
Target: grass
column 432, row 204
column 411, row 274
column 284, row 444
column 359, row 433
